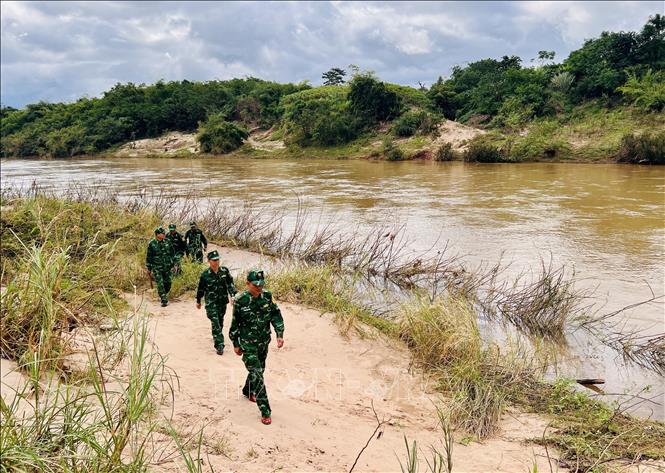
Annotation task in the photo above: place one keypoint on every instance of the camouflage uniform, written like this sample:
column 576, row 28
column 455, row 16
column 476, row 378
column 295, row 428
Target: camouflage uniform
column 178, row 244
column 250, row 330
column 216, row 288
column 159, row 261
column 196, row 243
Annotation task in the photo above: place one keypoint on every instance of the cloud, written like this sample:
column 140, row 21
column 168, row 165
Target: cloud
column 59, row 51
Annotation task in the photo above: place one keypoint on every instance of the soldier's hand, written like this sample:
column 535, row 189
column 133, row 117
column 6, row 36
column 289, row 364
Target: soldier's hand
column 198, row 305
column 237, row 351
column 280, row 342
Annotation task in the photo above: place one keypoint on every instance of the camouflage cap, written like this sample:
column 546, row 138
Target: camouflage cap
column 159, row 229
column 213, row 255
column 172, row 226
column 256, row 277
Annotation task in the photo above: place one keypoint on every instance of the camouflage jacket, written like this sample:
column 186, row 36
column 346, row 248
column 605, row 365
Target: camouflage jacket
column 194, row 239
column 160, row 255
column 252, row 317
column 177, row 242
column 215, row 287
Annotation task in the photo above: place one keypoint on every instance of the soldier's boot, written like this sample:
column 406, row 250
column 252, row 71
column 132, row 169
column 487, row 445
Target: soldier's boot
column 266, row 420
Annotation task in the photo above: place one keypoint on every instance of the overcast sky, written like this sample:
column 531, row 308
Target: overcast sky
column 59, row 51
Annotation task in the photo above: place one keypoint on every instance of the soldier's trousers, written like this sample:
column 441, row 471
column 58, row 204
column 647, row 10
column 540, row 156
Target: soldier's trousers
column 215, row 313
column 254, row 358
column 196, row 254
column 177, row 260
column 162, row 278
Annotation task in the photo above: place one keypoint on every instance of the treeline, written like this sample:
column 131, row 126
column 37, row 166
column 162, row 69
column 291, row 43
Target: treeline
column 613, row 69
column 128, row 112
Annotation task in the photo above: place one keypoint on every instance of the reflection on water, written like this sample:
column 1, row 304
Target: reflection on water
column 605, row 221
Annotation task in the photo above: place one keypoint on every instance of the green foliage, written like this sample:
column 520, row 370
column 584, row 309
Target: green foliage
column 445, row 153
column 371, row 101
column 318, row 117
column 391, row 151
column 128, row 111
column 603, row 63
column 218, row 136
column 443, row 98
column 414, row 121
column 648, row 148
column 409, row 97
column 64, row 264
column 480, row 151
column 334, row 76
column 562, row 81
column 647, row 92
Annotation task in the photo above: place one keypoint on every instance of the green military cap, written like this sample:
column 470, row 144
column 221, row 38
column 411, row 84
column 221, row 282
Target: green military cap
column 256, row 277
column 159, row 229
column 213, row 255
column 172, row 226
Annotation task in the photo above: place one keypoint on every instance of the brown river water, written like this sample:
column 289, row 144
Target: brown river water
column 605, row 221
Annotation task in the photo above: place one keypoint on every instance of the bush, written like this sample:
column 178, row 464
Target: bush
column 318, row 117
column 445, row 153
column 479, row 152
column 643, row 149
column 371, row 101
column 408, row 123
column 217, row 135
column 392, row 152
column 647, row 92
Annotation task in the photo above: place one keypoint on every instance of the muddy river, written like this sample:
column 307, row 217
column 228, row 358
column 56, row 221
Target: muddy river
column 607, row 222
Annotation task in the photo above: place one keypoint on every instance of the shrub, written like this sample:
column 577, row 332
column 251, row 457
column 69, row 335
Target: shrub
column 415, row 121
column 479, row 152
column 445, row 152
column 647, row 92
column 643, row 149
column 408, row 123
column 392, row 152
column 318, row 117
column 217, row 135
column 371, row 101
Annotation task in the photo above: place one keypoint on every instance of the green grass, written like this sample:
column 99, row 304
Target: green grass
column 590, row 133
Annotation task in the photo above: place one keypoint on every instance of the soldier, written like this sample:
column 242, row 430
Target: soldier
column 178, row 244
column 216, row 285
column 253, row 313
column 159, row 261
column 195, row 240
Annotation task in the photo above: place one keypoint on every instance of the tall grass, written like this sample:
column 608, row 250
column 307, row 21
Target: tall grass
column 104, row 425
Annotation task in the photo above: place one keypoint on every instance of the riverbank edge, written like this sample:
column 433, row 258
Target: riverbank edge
column 575, row 415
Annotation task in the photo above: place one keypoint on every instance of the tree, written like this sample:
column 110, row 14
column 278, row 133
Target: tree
column 334, row 76
column 443, row 98
column 544, row 56
column 371, row 101
column 217, row 135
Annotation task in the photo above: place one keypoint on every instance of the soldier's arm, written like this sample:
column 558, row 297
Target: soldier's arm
column 149, row 257
column 230, row 285
column 201, row 289
column 204, row 241
column 276, row 320
column 187, row 233
column 234, row 331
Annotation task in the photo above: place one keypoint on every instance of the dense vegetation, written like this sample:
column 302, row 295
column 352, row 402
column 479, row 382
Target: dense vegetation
column 617, row 70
